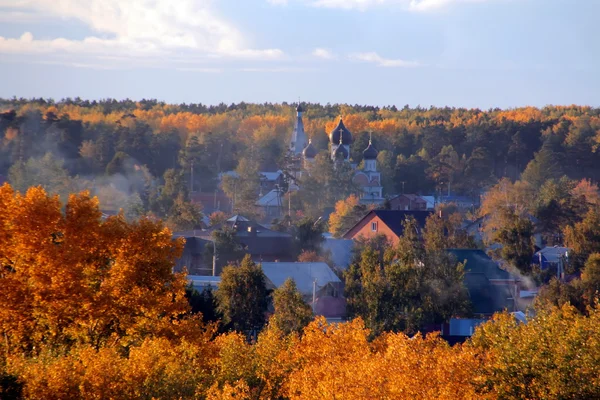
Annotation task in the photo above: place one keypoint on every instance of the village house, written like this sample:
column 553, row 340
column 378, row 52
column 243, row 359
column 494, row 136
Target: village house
column 260, row 242
column 389, row 223
column 319, row 285
column 408, row 202
column 491, row 289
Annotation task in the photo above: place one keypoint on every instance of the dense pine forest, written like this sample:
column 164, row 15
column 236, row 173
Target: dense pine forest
column 149, row 144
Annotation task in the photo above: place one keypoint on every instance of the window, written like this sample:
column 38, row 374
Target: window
column 374, row 226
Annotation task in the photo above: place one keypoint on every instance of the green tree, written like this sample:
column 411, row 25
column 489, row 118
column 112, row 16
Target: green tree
column 406, row 287
column 47, row 171
column 243, row 296
column 228, row 248
column 120, row 163
column 308, row 235
column 243, row 187
column 517, row 241
column 134, row 208
column 544, row 166
column 292, row 313
column 184, row 215
column 590, row 280
column 583, row 237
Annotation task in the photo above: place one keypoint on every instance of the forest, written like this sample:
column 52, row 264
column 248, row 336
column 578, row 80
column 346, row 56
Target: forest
column 138, row 156
column 91, row 307
column 92, row 310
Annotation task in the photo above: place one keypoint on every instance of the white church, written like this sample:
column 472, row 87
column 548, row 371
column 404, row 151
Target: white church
column 340, row 140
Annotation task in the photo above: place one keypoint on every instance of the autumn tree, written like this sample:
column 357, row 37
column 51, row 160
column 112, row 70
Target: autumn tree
column 242, row 296
column 102, row 281
column 446, row 232
column 291, row 314
column 347, row 213
column 184, row 215
column 501, row 203
column 533, row 360
column 583, row 238
column 217, row 217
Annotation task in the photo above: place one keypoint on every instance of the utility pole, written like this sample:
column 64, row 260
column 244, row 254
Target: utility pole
column 192, row 178
column 214, row 266
column 314, row 295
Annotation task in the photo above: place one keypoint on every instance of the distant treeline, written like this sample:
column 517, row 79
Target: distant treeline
column 422, row 150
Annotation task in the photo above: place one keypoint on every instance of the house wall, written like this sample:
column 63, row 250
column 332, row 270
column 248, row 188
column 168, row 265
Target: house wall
column 407, row 204
column 364, row 230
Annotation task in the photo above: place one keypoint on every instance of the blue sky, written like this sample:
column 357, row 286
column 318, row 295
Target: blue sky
column 468, row 53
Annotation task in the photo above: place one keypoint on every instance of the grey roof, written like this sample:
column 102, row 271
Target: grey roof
column 479, row 262
column 341, row 251
column 552, row 254
column 480, row 270
column 299, row 108
column 271, row 199
column 303, row 273
column 201, row 282
column 485, row 297
column 340, row 130
column 271, row 176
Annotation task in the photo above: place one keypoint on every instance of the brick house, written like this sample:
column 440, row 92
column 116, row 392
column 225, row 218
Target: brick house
column 385, row 222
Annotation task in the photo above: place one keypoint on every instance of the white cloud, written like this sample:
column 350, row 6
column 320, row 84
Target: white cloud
column 352, row 4
column 427, row 5
column 278, row 2
column 323, row 53
column 135, row 28
column 362, row 5
column 375, row 58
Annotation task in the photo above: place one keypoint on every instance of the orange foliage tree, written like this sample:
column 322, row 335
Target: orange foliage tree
column 71, row 278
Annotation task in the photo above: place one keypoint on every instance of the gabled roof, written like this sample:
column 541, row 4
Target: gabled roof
column 243, row 227
column 303, row 273
column 479, row 262
column 552, row 254
column 394, row 219
column 272, row 176
column 271, row 199
column 485, row 297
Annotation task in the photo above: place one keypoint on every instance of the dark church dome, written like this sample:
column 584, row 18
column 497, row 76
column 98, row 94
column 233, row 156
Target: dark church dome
column 340, row 151
column 340, row 131
column 309, row 151
column 370, row 153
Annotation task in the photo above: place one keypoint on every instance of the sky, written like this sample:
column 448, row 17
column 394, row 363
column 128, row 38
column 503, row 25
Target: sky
column 460, row 53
